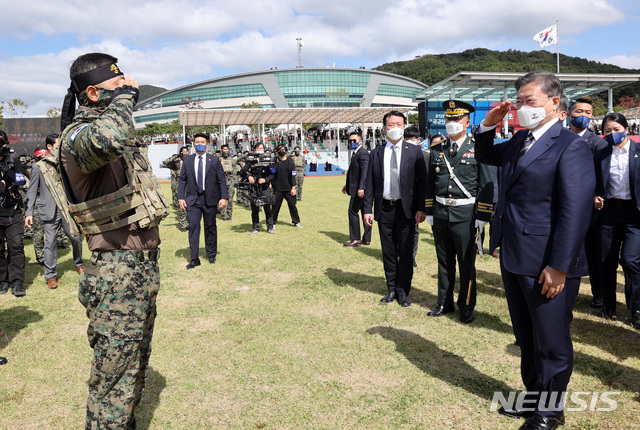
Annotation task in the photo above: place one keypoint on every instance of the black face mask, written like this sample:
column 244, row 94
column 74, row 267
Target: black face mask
column 297, row 152
column 225, row 154
column 282, row 153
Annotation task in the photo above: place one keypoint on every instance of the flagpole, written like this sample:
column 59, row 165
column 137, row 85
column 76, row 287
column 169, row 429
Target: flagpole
column 558, row 45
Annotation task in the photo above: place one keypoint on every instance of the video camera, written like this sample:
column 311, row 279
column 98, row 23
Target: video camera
column 261, row 166
column 13, row 180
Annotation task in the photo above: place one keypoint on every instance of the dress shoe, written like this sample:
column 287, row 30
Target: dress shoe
column 366, row 243
column 80, row 269
column 635, row 319
column 514, row 412
column 52, row 283
column 17, row 289
column 3, row 360
column 212, row 259
column 184, row 229
column 597, row 302
column 607, row 313
column 353, row 243
column 438, row 311
column 193, row 263
column 466, row 316
column 538, row 422
column 389, row 297
column 404, row 302
column 4, row 287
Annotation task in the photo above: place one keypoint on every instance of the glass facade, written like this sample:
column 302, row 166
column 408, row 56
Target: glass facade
column 323, row 88
column 232, row 91
column 397, row 91
column 156, row 117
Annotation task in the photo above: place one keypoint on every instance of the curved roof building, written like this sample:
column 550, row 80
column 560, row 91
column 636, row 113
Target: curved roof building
column 285, row 88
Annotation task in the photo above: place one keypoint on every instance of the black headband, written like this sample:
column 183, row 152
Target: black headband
column 80, row 83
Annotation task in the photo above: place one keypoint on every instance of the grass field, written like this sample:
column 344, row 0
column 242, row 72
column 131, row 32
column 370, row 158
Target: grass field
column 286, row 331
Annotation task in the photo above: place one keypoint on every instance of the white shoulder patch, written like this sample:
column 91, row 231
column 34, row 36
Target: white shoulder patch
column 78, row 130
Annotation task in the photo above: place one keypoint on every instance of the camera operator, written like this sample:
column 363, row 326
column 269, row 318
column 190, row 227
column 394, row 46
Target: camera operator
column 11, row 221
column 259, row 171
column 284, row 186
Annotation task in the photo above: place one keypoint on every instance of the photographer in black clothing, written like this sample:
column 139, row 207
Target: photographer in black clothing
column 259, row 172
column 11, row 221
column 284, row 186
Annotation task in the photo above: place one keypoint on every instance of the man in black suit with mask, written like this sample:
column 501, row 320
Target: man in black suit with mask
column 356, row 179
column 396, row 179
column 202, row 188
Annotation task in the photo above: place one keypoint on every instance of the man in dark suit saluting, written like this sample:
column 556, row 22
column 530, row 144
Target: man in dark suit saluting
column 202, row 188
column 544, row 208
column 396, row 179
column 356, row 180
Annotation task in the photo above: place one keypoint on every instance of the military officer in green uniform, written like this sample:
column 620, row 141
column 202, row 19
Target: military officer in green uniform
column 459, row 202
column 174, row 164
column 301, row 165
column 231, row 170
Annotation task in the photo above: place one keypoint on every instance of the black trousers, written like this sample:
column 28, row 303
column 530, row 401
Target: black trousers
column 455, row 240
column 208, row 214
column 541, row 327
column 396, row 239
column 593, row 250
column 291, row 202
column 356, row 205
column 12, row 229
column 620, row 238
column 255, row 216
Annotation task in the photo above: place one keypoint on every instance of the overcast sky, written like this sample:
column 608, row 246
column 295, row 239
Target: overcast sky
column 173, row 43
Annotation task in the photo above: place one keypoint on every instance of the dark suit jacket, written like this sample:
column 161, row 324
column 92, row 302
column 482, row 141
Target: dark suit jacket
column 413, row 179
column 215, row 184
column 603, row 166
column 595, row 142
column 545, row 201
column 357, row 172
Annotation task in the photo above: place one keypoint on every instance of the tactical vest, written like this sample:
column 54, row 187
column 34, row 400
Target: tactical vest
column 298, row 160
column 228, row 165
column 141, row 201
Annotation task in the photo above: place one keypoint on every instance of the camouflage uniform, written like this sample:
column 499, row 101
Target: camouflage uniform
column 119, row 286
column 231, row 169
column 174, row 163
column 243, row 197
column 301, row 165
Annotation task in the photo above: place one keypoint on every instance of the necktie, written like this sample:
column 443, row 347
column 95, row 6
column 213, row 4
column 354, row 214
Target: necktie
column 200, row 174
column 526, row 144
column 393, row 175
column 454, row 148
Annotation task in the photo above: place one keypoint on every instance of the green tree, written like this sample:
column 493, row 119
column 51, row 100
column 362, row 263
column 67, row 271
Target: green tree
column 16, row 108
column 54, row 112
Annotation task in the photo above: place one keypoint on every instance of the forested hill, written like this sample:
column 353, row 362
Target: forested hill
column 434, row 68
column 147, row 91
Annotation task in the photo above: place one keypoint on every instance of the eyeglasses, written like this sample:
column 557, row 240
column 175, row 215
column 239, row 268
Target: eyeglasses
column 528, row 102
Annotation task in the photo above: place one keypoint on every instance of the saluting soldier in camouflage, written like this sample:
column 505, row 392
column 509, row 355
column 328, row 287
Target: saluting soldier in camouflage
column 301, row 165
column 120, row 284
column 459, row 203
column 174, row 163
column 231, row 170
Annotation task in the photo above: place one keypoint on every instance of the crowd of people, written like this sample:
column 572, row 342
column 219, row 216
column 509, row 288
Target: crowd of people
column 562, row 203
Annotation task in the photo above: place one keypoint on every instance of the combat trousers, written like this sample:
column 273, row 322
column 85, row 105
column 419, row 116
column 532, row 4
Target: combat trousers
column 299, row 182
column 119, row 290
column 227, row 212
column 455, row 240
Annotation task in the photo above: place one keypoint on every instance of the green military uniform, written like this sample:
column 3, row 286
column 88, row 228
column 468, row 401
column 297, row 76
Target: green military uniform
column 301, row 165
column 231, row 170
column 455, row 212
column 243, row 196
column 120, row 285
column 174, row 164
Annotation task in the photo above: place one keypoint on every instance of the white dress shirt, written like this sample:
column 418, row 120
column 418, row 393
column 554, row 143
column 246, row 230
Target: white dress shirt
column 619, row 187
column 204, row 167
column 386, row 190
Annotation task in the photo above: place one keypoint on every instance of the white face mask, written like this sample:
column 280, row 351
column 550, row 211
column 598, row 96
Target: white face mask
column 395, row 133
column 454, row 128
column 530, row 117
